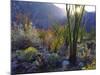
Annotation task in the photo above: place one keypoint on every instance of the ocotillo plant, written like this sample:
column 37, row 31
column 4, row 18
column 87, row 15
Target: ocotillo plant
column 73, row 32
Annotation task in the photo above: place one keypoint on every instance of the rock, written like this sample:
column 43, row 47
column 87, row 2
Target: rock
column 65, row 63
column 81, row 64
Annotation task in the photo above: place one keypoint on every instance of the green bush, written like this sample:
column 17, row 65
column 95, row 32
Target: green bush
column 53, row 58
column 90, row 66
column 19, row 53
column 30, row 52
column 26, row 54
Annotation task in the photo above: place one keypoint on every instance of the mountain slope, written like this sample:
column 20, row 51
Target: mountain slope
column 44, row 15
column 41, row 14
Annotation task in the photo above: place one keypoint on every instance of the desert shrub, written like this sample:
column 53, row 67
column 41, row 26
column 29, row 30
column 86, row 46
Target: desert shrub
column 22, row 40
column 21, row 43
column 56, row 43
column 30, row 52
column 34, row 37
column 18, row 56
column 42, row 35
column 90, row 66
column 19, row 40
column 53, row 57
column 27, row 54
column 19, row 53
column 54, row 61
column 58, row 38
